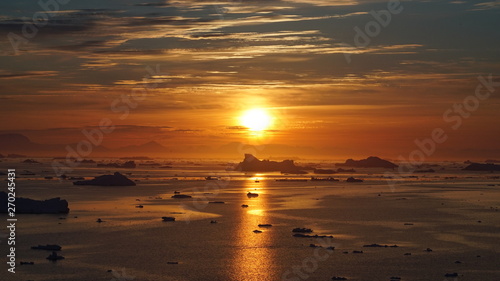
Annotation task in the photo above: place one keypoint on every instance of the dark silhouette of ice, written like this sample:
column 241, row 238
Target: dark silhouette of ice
column 252, row 164
column 128, row 164
column 370, row 162
column 116, row 179
column 482, row 167
column 30, row 206
column 31, row 161
column 351, row 179
column 181, row 196
column 324, row 171
column 47, row 247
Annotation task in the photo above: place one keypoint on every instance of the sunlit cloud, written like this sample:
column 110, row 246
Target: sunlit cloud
column 486, row 5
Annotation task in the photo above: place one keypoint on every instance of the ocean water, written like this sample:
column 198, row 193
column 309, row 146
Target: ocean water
column 452, row 212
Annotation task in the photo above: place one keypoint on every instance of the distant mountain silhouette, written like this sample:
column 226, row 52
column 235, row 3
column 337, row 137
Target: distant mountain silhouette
column 370, row 162
column 16, row 141
column 20, row 144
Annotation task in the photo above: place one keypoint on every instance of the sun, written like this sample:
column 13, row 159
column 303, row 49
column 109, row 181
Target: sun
column 256, row 119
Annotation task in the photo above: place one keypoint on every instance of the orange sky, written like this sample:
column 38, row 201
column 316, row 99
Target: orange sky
column 202, row 69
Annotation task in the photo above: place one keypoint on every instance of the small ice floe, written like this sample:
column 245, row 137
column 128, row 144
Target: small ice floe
column 252, row 195
column 54, row 257
column 47, row 247
column 244, row 206
column 265, row 225
column 27, row 263
column 428, row 250
column 451, row 274
column 139, row 206
column 168, row 218
column 319, row 246
column 213, row 221
column 379, row 246
column 351, row 179
column 302, row 230
column 324, row 179
column 257, row 231
column 181, row 196
column 300, row 235
column 172, row 262
column 216, row 202
column 357, row 252
column 99, row 220
column 338, row 278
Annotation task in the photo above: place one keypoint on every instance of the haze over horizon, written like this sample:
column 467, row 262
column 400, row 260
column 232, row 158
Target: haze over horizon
column 184, row 75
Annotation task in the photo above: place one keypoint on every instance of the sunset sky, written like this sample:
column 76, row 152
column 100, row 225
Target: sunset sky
column 202, row 64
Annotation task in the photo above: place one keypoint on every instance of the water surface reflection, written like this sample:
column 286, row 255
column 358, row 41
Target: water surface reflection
column 254, row 255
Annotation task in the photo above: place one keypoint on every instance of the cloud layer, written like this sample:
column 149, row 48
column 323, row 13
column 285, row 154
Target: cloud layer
column 299, row 58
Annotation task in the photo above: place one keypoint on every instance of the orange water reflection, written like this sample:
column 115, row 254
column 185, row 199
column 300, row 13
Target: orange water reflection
column 253, row 257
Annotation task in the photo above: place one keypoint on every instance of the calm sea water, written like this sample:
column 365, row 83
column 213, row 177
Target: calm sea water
column 437, row 210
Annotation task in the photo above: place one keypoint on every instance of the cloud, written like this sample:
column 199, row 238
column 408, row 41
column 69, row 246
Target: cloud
column 285, row 55
column 27, row 74
column 486, row 6
column 239, row 128
column 153, row 4
column 332, row 3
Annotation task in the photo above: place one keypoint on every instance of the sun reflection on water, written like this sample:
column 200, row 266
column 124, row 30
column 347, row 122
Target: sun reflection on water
column 253, row 257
